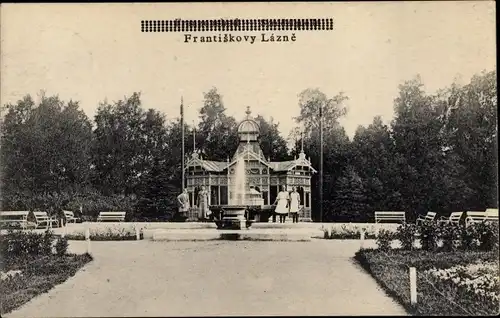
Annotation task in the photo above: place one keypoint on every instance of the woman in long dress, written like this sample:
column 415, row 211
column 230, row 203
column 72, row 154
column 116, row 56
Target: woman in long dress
column 294, row 205
column 282, row 204
column 203, row 210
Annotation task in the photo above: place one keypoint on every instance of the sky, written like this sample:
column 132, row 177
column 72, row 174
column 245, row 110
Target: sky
column 90, row 52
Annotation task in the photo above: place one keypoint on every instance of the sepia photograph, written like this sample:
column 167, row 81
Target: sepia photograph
column 249, row 159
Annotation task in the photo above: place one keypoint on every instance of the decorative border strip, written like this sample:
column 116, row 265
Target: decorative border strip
column 179, row 25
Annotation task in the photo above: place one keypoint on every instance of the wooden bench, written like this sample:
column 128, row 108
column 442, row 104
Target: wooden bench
column 43, row 218
column 475, row 217
column 429, row 217
column 390, row 216
column 111, row 216
column 13, row 218
column 70, row 216
column 454, row 218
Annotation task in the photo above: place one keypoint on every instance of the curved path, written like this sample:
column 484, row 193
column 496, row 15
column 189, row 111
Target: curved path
column 146, row 278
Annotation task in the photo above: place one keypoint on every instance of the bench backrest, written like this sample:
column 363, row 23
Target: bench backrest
column 13, row 214
column 476, row 215
column 40, row 215
column 430, row 216
column 120, row 214
column 455, row 217
column 389, row 214
column 491, row 215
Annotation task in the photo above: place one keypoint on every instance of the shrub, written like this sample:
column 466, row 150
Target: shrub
column 487, row 234
column 406, row 235
column 428, row 235
column 20, row 244
column 449, row 234
column 469, row 237
column 384, row 239
column 61, row 246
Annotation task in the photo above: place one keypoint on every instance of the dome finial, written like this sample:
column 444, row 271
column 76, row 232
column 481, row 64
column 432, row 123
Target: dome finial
column 248, row 112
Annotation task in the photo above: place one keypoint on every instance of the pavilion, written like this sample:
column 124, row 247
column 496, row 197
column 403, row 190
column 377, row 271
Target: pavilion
column 264, row 175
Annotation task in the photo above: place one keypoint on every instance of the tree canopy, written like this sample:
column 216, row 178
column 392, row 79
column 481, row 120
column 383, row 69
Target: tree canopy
column 439, row 152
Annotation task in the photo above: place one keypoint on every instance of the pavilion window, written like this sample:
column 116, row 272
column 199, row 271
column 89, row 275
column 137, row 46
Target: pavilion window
column 265, row 197
column 307, row 200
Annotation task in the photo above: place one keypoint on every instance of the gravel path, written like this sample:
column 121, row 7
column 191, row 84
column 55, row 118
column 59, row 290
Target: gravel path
column 146, row 278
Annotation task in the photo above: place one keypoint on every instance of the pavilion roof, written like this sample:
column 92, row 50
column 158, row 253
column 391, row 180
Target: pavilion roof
column 219, row 166
column 288, row 165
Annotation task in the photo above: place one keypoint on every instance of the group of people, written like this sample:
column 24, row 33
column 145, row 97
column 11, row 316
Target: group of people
column 203, row 210
column 285, row 203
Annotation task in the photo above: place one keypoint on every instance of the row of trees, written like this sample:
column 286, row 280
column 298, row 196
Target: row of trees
column 438, row 153
column 128, row 158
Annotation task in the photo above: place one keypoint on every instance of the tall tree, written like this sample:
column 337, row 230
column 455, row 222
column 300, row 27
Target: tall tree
column 471, row 129
column 419, row 147
column 216, row 135
column 372, row 153
column 336, row 143
column 273, row 145
column 45, row 148
column 128, row 142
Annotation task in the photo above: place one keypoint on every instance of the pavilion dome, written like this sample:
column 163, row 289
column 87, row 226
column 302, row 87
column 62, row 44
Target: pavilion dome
column 249, row 126
column 248, row 129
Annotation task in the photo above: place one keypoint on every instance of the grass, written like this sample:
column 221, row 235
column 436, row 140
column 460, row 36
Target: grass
column 39, row 275
column 391, row 272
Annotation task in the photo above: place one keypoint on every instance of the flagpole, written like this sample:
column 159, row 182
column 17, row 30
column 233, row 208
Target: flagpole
column 194, row 137
column 182, row 136
column 321, row 163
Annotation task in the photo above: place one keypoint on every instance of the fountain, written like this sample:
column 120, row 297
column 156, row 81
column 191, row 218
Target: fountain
column 240, row 201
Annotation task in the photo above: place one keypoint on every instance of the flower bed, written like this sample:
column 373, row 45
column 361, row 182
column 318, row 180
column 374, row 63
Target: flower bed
column 478, row 282
column 457, row 267
column 352, row 231
column 390, row 270
column 31, row 264
column 111, row 233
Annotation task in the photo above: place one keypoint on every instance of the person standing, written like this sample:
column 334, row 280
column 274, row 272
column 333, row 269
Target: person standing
column 203, row 210
column 282, row 204
column 183, row 200
column 294, row 205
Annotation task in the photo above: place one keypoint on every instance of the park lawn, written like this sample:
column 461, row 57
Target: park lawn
column 390, row 270
column 38, row 275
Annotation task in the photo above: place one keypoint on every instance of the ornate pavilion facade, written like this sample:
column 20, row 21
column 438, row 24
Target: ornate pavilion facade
column 264, row 175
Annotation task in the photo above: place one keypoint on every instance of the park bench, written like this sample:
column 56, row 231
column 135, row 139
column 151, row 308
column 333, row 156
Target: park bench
column 70, row 216
column 13, row 218
column 111, row 216
column 390, row 216
column 43, row 218
column 490, row 215
column 429, row 217
column 454, row 218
